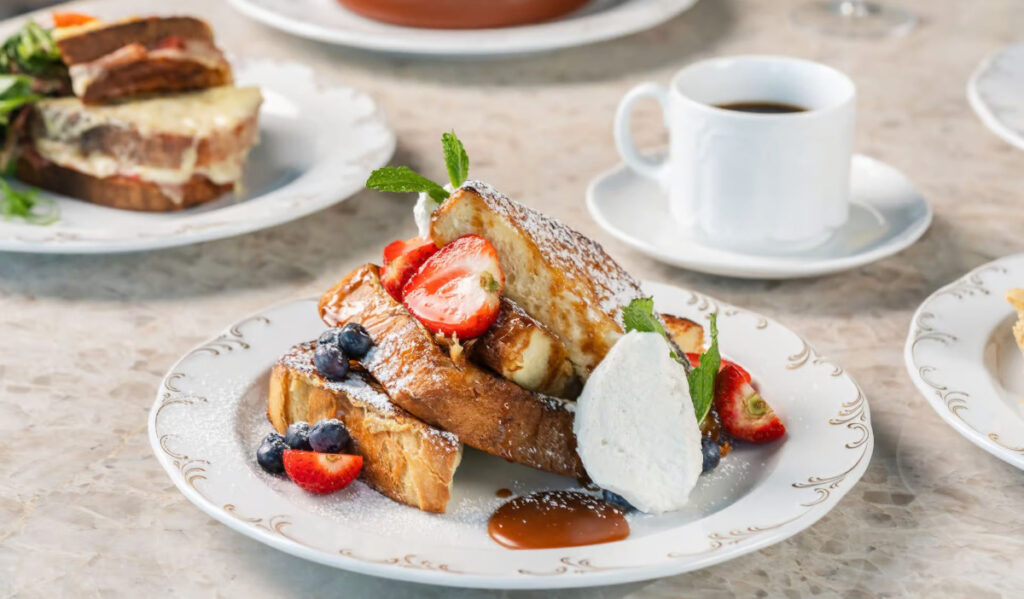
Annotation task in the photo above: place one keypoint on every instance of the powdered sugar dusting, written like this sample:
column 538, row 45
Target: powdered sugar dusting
column 358, row 388
column 569, row 251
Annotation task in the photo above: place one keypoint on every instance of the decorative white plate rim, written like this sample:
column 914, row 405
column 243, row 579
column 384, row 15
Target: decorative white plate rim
column 724, row 534
column 765, row 266
column 965, row 399
column 333, row 176
column 621, row 19
column 982, row 109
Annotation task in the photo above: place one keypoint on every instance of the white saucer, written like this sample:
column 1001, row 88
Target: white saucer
column 995, row 90
column 961, row 354
column 327, row 21
column 887, row 215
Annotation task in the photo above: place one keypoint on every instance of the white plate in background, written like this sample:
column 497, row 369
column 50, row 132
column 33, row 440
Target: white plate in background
column 210, row 415
column 317, row 147
column 961, row 354
column 328, row 21
column 996, row 93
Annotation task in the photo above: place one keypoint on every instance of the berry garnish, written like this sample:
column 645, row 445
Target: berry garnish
column 321, row 473
column 297, row 436
column 330, row 361
column 617, row 500
column 354, row 340
column 270, row 453
column 743, row 412
column 329, row 436
column 712, row 453
column 457, row 290
column 401, row 260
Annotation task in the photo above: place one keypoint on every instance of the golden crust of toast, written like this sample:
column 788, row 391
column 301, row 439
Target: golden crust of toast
column 403, row 458
column 115, row 192
column 484, row 410
column 525, row 352
column 688, row 335
column 558, row 276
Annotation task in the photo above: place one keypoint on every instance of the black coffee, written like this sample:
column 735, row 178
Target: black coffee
column 762, row 107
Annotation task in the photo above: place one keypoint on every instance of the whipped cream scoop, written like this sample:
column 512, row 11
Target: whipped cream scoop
column 636, row 429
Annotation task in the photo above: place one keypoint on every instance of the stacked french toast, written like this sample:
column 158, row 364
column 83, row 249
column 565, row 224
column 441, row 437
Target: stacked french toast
column 486, row 330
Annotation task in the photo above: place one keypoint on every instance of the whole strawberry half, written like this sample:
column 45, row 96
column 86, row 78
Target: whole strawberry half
column 401, row 260
column 457, row 291
column 743, row 412
column 321, row 473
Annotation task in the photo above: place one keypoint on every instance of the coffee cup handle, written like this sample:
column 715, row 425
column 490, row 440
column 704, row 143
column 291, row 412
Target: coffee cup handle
column 642, row 165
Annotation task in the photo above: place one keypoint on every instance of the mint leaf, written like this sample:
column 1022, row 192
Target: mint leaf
column 639, row 316
column 403, row 178
column 702, row 378
column 455, row 158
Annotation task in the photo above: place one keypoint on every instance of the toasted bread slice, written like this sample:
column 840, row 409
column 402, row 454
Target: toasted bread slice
column 403, row 458
column 485, row 411
column 558, row 276
column 525, row 352
column 116, row 192
column 685, row 333
column 133, row 57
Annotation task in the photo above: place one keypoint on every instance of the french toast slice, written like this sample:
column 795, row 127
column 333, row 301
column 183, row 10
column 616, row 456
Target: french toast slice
column 685, row 333
column 484, row 410
column 1016, row 299
column 558, row 276
column 525, row 352
column 403, row 458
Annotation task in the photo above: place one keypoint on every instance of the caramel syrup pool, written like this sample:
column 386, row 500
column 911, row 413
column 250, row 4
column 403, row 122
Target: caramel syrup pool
column 550, row 519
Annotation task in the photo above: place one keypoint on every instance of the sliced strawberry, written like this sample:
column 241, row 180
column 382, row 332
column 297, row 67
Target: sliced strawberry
column 743, row 412
column 457, row 290
column 401, row 260
column 321, row 473
column 397, row 248
column 695, row 362
column 71, row 19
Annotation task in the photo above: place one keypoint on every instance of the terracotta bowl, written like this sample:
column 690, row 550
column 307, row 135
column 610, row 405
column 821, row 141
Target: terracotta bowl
column 461, row 14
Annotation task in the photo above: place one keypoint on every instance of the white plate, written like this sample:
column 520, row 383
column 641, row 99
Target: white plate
column 887, row 215
column 995, row 91
column 961, row 354
column 317, row 146
column 209, row 417
column 327, row 21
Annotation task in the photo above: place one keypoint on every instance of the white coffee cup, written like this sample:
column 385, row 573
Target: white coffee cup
column 750, row 181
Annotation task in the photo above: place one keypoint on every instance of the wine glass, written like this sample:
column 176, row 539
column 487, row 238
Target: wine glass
column 853, row 18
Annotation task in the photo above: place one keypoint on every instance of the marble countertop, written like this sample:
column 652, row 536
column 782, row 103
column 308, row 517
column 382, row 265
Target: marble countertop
column 86, row 510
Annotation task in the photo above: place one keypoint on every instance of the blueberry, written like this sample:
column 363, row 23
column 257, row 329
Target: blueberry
column 297, row 436
column 331, row 361
column 329, row 337
column 354, row 340
column 617, row 500
column 270, row 455
column 712, row 453
column 329, row 436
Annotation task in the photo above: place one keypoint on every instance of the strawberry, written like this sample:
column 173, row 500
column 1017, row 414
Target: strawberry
column 401, row 260
column 321, row 473
column 457, row 290
column 695, row 361
column 743, row 412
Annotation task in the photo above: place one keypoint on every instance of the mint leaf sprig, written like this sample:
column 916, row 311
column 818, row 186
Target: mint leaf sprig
column 404, row 179
column 639, row 316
